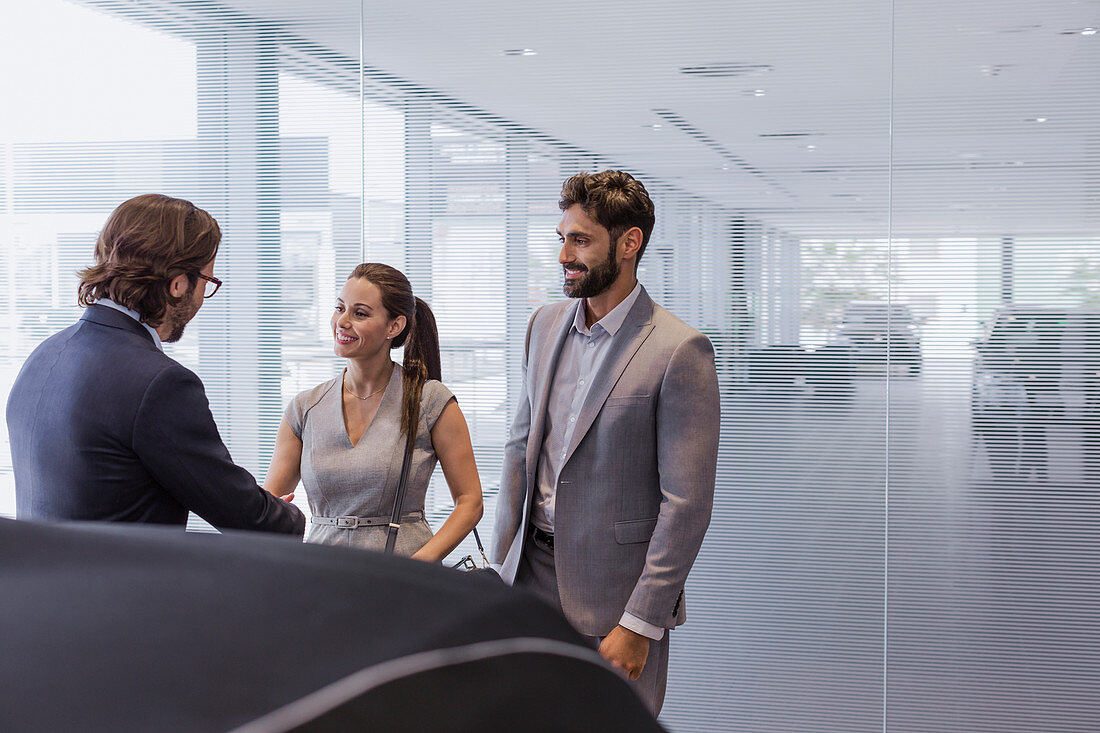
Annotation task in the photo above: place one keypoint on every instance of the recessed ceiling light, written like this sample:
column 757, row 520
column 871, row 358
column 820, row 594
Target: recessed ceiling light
column 1038, row 119
column 811, row 147
column 519, row 52
column 725, row 70
column 654, row 126
column 1079, row 32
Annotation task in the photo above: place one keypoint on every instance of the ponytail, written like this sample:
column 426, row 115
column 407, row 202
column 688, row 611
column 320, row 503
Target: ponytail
column 419, row 337
column 421, row 363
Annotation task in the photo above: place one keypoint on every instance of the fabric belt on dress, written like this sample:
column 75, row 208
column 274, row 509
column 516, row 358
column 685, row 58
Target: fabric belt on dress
column 354, row 522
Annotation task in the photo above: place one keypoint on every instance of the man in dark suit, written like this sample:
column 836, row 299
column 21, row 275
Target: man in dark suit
column 103, row 424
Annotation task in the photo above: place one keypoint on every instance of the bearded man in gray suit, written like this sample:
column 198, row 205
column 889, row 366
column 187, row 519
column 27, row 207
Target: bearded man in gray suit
column 609, row 468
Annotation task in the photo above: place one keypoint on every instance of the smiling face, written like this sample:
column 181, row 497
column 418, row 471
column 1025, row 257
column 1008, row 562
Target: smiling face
column 588, row 257
column 361, row 326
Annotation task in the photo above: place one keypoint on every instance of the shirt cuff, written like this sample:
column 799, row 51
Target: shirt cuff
column 646, row 629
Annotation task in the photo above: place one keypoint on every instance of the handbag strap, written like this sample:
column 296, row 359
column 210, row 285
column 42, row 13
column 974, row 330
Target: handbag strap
column 480, row 547
column 395, row 519
column 399, row 500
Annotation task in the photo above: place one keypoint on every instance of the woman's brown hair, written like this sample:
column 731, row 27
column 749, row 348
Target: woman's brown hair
column 419, row 337
column 147, row 241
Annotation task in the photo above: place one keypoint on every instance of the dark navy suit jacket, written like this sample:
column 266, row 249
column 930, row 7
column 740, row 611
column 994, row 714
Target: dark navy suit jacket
column 103, row 425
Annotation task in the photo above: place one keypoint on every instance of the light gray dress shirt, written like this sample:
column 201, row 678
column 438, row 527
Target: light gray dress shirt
column 582, row 356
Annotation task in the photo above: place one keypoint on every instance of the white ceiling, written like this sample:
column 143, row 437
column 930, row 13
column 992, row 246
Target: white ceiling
column 920, row 112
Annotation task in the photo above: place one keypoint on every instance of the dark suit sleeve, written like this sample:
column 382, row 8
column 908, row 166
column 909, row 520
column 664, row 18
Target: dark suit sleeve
column 687, row 459
column 178, row 442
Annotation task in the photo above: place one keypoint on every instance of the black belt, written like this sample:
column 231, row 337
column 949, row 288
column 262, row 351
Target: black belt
column 542, row 536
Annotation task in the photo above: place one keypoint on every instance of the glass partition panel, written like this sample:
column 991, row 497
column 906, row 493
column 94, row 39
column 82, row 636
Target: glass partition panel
column 248, row 117
column 994, row 463
column 75, row 142
column 765, row 144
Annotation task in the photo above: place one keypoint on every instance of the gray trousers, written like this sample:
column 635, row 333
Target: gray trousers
column 536, row 573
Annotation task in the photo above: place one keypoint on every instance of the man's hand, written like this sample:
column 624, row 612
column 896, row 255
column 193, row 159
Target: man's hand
column 626, row 650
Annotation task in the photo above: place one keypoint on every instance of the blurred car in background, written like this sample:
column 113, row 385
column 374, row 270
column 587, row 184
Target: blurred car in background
column 1037, row 368
column 793, row 369
column 884, row 338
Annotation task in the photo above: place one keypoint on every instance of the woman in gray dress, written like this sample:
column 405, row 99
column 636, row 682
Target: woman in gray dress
column 345, row 439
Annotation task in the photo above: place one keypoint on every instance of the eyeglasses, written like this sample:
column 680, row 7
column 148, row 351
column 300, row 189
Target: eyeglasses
column 212, row 285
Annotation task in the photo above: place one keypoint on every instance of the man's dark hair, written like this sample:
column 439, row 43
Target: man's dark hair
column 615, row 199
column 146, row 242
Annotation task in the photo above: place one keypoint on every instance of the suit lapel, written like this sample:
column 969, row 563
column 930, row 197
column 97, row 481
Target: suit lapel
column 634, row 331
column 545, row 366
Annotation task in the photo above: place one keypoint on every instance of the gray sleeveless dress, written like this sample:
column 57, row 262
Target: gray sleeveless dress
column 361, row 480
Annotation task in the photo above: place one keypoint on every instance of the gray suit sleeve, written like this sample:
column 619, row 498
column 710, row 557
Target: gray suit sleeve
column 513, row 479
column 178, row 442
column 687, row 460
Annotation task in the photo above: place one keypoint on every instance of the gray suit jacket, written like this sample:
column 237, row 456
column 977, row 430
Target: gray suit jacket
column 636, row 487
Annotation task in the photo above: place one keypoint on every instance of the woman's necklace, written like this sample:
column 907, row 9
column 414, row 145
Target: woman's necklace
column 372, row 394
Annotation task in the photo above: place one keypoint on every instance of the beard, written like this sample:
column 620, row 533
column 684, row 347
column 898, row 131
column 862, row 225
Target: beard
column 595, row 280
column 180, row 314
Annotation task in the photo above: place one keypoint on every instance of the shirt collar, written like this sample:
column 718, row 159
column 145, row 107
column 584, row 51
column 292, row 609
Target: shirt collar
column 613, row 321
column 136, row 316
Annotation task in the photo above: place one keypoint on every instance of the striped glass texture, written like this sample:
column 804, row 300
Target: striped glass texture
column 883, row 213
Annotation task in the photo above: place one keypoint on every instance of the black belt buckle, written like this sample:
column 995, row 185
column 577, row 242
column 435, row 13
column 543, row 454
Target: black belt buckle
column 542, row 536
